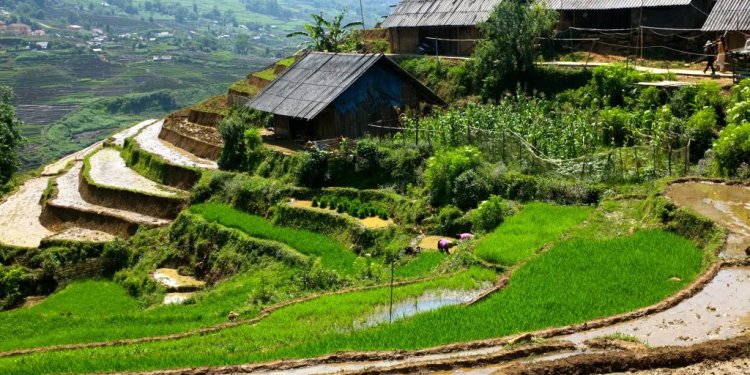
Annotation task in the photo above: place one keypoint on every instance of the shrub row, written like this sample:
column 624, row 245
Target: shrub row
column 354, row 207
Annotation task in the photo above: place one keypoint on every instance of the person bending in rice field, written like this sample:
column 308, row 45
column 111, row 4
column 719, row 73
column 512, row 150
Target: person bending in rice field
column 444, row 246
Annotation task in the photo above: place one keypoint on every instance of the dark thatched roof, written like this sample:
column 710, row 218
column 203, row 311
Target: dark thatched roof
column 729, row 15
column 612, row 4
column 317, row 79
column 427, row 13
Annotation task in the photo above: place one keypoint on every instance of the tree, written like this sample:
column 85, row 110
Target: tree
column 242, row 43
column 234, row 154
column 10, row 138
column 505, row 58
column 327, row 36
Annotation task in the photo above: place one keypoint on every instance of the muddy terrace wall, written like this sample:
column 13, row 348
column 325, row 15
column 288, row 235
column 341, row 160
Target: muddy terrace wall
column 194, row 146
column 59, row 218
column 161, row 207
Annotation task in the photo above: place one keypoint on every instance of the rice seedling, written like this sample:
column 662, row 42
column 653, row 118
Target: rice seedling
column 527, row 231
column 575, row 281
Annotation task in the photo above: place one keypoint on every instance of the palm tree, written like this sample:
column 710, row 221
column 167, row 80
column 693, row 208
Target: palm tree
column 327, row 36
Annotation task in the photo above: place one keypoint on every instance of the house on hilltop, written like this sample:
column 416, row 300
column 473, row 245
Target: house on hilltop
column 452, row 22
column 733, row 17
column 328, row 95
column 620, row 14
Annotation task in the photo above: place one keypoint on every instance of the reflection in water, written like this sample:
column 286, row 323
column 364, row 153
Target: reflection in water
column 431, row 300
column 727, row 205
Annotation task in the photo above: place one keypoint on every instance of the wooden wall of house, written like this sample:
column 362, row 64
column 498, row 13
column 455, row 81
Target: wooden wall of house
column 407, row 40
column 404, row 40
column 281, row 126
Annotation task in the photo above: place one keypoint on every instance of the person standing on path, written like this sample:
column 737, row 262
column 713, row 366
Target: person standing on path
column 710, row 52
column 721, row 59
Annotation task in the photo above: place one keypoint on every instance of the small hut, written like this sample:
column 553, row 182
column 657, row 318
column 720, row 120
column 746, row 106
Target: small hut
column 328, row 95
column 732, row 17
column 449, row 24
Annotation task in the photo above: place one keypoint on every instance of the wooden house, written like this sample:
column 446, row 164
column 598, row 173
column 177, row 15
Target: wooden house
column 453, row 22
column 328, row 95
column 733, row 18
column 621, row 14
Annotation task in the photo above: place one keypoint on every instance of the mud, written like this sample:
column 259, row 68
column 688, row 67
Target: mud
column 727, row 205
column 19, row 216
column 171, row 279
column 148, row 140
column 108, row 169
column 201, row 141
column 205, row 118
column 369, row 223
column 69, row 209
column 431, row 242
column 719, row 311
column 627, row 361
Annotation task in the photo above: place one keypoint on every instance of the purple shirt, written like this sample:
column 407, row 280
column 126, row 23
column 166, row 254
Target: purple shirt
column 465, row 236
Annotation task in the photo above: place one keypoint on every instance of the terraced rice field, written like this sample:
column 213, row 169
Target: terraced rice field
column 107, row 168
column 19, row 215
column 148, row 140
column 68, row 196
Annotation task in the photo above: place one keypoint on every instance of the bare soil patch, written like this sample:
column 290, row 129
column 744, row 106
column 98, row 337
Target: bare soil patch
column 172, row 279
column 19, row 216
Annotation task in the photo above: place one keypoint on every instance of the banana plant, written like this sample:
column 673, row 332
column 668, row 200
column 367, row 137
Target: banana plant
column 327, row 36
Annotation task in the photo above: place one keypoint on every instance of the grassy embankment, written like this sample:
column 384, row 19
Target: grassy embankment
column 333, row 255
column 526, row 232
column 579, row 279
column 91, row 311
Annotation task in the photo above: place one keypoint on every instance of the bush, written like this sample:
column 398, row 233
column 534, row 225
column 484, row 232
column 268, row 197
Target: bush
column 234, row 153
column 450, row 221
column 689, row 99
column 312, row 169
column 732, row 148
column 700, row 128
column 614, row 126
column 490, row 214
column 14, row 280
column 469, row 189
column 612, row 83
column 444, row 168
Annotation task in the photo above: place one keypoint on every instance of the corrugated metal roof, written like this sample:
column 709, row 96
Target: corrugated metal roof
column 612, row 4
column 317, row 79
column 425, row 13
column 729, row 15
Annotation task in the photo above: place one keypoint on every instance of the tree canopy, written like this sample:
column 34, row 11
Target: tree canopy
column 328, row 36
column 505, row 58
column 10, row 138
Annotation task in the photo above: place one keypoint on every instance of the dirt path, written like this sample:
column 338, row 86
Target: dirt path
column 19, row 216
column 69, row 196
column 108, row 169
column 679, row 72
column 148, row 140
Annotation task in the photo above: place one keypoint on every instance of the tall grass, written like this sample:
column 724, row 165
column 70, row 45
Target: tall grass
column 332, row 254
column 524, row 233
column 575, row 281
column 91, row 311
